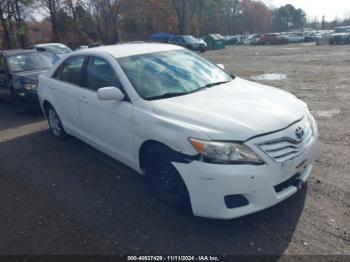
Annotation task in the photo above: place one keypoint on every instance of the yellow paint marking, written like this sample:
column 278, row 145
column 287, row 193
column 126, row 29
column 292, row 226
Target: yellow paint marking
column 19, row 131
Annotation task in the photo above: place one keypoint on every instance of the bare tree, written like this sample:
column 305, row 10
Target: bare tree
column 4, row 17
column 107, row 14
column 181, row 8
column 13, row 23
column 17, row 10
column 52, row 8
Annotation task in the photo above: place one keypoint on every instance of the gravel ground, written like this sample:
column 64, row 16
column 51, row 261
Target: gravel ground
column 67, row 198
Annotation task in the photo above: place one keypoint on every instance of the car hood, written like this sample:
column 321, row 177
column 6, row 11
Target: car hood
column 30, row 75
column 236, row 111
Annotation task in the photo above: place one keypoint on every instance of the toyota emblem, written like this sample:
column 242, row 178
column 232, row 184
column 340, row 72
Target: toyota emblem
column 300, row 133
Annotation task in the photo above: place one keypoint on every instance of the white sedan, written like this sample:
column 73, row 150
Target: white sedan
column 295, row 39
column 220, row 145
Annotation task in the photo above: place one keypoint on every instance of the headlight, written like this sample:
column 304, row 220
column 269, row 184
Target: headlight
column 30, row 87
column 226, row 152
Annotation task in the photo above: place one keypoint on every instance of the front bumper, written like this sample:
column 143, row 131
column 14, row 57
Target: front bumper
column 209, row 184
column 200, row 48
column 30, row 100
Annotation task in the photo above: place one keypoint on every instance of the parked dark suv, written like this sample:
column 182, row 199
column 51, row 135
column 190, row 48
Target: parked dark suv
column 19, row 71
column 189, row 42
column 340, row 36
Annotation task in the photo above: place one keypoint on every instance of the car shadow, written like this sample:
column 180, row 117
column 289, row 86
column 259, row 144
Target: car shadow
column 110, row 199
column 10, row 119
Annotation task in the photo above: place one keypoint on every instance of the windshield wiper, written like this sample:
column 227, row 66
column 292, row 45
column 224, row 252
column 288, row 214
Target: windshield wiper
column 167, row 95
column 215, row 84
column 174, row 94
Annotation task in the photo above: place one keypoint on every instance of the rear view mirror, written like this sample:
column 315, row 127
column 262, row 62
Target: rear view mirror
column 110, row 93
column 221, row 66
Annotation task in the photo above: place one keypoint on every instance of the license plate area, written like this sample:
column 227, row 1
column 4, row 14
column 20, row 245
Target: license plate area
column 291, row 167
column 292, row 171
column 302, row 167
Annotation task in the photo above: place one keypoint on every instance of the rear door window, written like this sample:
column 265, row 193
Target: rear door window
column 71, row 70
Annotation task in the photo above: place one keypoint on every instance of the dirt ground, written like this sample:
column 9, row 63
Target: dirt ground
column 67, row 198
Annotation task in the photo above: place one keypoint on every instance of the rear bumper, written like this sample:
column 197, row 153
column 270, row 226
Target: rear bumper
column 340, row 39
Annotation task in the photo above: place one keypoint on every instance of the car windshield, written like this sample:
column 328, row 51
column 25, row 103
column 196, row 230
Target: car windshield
column 58, row 49
column 190, row 39
column 31, row 61
column 171, row 73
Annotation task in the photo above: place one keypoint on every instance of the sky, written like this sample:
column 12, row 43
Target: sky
column 317, row 8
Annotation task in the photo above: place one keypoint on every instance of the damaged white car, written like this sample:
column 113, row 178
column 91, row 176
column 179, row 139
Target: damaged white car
column 221, row 145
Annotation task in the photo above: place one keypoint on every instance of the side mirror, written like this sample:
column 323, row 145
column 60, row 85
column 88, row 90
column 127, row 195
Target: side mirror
column 110, row 93
column 221, row 66
column 2, row 71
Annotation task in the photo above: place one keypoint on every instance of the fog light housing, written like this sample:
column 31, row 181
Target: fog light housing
column 234, row 201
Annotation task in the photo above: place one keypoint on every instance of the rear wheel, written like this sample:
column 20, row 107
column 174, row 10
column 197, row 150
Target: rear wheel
column 55, row 123
column 164, row 179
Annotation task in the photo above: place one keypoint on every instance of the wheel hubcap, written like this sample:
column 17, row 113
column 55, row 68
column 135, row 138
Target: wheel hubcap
column 54, row 122
column 166, row 180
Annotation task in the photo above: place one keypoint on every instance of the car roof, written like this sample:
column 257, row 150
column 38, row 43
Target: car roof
column 48, row 44
column 16, row 51
column 130, row 49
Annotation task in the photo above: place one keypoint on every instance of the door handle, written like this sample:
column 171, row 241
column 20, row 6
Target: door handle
column 52, row 86
column 83, row 99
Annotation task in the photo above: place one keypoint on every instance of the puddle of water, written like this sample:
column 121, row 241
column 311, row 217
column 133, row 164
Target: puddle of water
column 305, row 88
column 328, row 114
column 270, row 77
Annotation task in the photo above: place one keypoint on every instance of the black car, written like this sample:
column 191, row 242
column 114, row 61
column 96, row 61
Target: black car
column 340, row 36
column 189, row 42
column 19, row 71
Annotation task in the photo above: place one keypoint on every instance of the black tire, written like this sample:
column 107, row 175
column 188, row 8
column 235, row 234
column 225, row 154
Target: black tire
column 55, row 123
column 18, row 103
column 165, row 181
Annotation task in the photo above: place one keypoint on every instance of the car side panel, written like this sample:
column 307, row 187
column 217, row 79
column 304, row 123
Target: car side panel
column 148, row 126
column 64, row 98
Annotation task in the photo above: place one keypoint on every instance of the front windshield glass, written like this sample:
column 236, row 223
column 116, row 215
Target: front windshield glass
column 58, row 49
column 31, row 61
column 190, row 39
column 171, row 73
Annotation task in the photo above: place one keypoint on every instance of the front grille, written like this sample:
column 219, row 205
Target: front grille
column 287, row 148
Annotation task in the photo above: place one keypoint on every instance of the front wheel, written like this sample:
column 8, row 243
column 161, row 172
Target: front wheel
column 55, row 123
column 164, row 179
